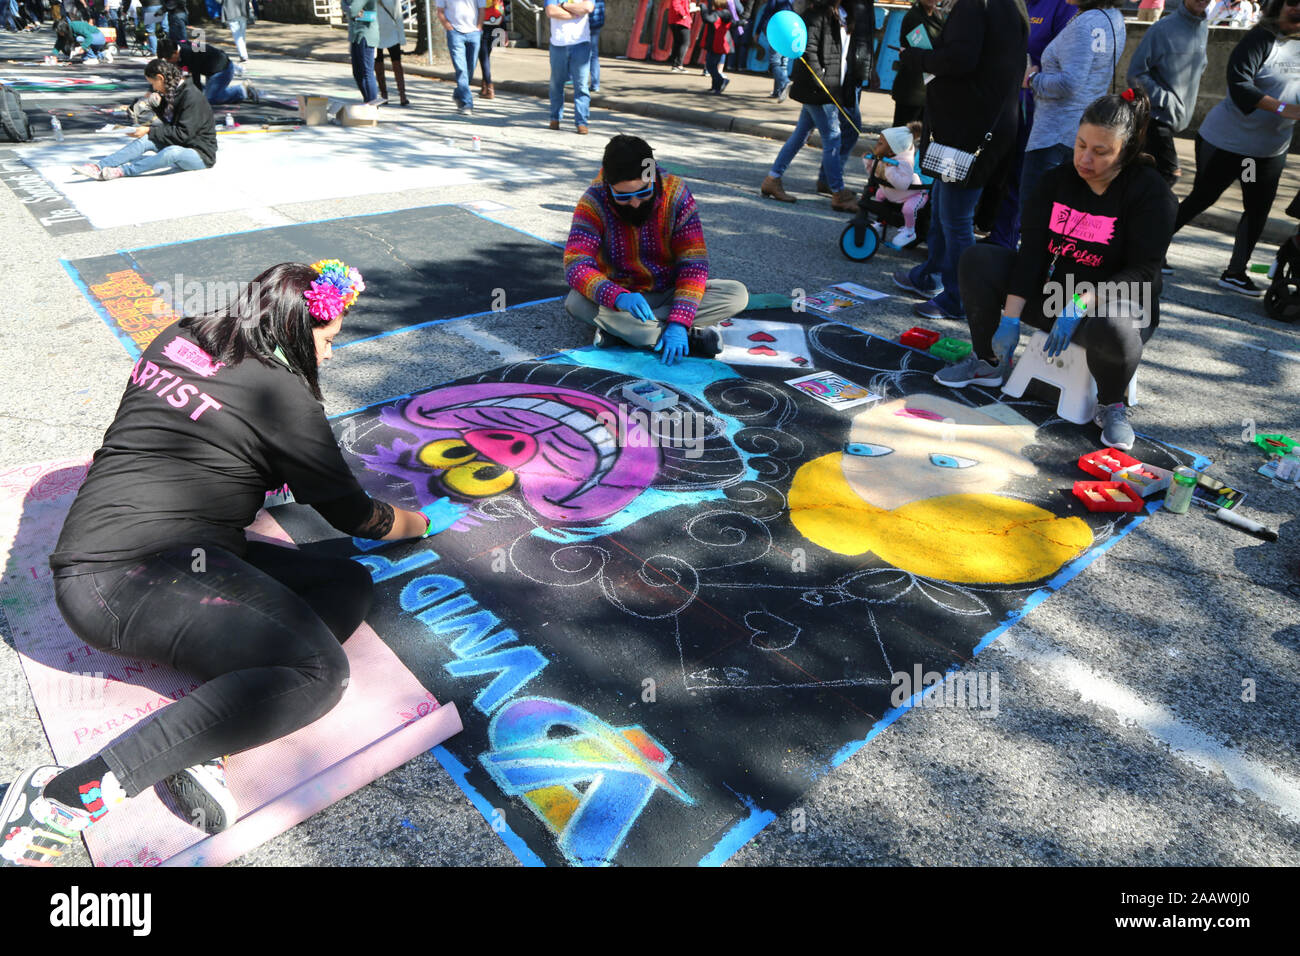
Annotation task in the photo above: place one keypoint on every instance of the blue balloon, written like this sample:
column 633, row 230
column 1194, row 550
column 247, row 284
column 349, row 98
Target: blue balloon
column 787, row 35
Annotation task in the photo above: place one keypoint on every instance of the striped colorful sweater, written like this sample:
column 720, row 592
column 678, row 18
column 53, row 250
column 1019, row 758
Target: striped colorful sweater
column 606, row 256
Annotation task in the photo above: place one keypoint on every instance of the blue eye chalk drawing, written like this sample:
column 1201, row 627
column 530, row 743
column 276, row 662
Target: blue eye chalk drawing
column 951, row 461
column 860, row 449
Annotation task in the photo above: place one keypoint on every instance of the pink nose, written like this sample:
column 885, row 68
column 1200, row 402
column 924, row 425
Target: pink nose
column 507, row 448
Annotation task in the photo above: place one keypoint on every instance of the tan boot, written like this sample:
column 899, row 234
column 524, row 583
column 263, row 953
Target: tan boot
column 489, row 92
column 772, row 188
column 844, row 201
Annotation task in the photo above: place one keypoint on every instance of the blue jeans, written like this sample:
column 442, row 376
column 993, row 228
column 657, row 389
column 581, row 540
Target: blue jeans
column 952, row 232
column 571, row 63
column 595, row 59
column 711, row 62
column 177, row 21
column 237, row 29
column 133, row 160
column 826, row 119
column 848, row 135
column 1037, row 162
column 780, row 67
column 363, row 70
column 218, row 89
column 463, row 48
column 150, row 16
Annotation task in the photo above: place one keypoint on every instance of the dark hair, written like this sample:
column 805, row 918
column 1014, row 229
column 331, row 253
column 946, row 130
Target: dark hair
column 1127, row 119
column 166, row 47
column 625, row 159
column 270, row 312
column 171, row 74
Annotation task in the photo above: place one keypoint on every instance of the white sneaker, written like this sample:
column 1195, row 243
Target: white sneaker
column 202, row 796
column 903, row 238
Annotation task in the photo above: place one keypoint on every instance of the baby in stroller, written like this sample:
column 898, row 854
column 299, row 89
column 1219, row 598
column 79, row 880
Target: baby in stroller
column 902, row 185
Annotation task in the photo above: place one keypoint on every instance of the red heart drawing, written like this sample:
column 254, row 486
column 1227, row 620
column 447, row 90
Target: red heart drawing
column 725, row 322
column 762, row 337
column 799, row 360
column 762, row 350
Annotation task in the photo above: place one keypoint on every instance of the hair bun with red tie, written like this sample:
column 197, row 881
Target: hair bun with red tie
column 1128, row 94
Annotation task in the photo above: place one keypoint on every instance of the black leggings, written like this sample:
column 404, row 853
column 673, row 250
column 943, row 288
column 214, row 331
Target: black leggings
column 681, row 36
column 1113, row 341
column 1216, row 170
column 264, row 633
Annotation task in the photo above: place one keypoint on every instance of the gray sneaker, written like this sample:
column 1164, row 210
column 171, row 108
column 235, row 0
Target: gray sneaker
column 1116, row 432
column 971, row 370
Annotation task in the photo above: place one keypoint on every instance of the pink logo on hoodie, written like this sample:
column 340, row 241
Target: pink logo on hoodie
column 1082, row 226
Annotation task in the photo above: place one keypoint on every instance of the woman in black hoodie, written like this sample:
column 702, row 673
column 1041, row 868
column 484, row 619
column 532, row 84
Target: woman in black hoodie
column 971, row 104
column 184, row 136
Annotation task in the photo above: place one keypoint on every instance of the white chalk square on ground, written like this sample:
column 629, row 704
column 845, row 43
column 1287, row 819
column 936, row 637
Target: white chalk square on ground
column 260, row 168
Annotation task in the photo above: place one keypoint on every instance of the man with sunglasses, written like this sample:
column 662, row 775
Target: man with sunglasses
column 636, row 261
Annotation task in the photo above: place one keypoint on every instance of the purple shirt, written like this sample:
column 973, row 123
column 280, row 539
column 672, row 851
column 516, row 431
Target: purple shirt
column 1047, row 18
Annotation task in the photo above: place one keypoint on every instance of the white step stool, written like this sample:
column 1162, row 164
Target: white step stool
column 1067, row 372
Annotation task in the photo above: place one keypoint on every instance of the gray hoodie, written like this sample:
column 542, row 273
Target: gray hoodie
column 1169, row 62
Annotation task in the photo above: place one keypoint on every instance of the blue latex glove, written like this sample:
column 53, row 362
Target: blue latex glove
column 1062, row 331
column 442, row 514
column 1005, row 339
column 635, row 303
column 673, row 343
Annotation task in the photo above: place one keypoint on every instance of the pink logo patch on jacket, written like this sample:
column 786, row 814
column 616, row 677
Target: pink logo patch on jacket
column 192, row 357
column 1082, row 226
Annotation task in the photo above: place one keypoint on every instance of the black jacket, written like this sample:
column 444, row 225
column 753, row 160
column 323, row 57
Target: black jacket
column 191, row 125
column 909, row 85
column 714, row 20
column 823, row 54
column 202, row 64
column 863, row 15
column 978, row 66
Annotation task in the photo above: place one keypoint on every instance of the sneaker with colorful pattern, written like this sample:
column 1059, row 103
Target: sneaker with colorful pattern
column 35, row 830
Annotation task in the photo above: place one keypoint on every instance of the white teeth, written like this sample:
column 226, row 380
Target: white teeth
column 553, row 410
column 577, row 421
column 518, row 402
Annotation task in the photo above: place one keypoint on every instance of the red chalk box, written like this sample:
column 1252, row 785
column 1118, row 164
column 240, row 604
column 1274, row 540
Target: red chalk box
column 1107, row 496
column 1106, row 463
column 919, row 338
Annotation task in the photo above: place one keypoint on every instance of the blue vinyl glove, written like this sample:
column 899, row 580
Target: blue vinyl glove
column 442, row 514
column 1062, row 331
column 1005, row 339
column 635, row 303
column 673, row 343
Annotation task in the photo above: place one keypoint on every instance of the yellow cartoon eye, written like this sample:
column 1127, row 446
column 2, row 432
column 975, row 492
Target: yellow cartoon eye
column 479, row 479
column 446, row 453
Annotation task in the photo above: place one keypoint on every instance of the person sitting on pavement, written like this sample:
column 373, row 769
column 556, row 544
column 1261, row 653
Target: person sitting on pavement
column 636, row 261
column 210, row 71
column 182, row 136
column 1093, row 236
column 71, row 34
column 153, row 562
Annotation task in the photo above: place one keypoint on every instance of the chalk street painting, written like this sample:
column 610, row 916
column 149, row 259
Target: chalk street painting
column 661, row 622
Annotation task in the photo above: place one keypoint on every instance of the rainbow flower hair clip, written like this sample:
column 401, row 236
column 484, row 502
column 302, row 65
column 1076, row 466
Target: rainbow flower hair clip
column 334, row 292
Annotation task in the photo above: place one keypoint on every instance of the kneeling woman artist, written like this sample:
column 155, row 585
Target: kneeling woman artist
column 1093, row 236
column 219, row 409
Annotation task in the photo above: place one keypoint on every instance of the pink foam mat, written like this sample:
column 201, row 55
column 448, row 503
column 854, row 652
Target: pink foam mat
column 86, row 699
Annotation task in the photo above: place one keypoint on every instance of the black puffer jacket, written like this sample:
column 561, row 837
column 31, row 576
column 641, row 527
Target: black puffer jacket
column 823, row 54
column 978, row 65
column 191, row 125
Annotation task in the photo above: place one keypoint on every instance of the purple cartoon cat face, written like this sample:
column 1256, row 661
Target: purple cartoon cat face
column 556, row 444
